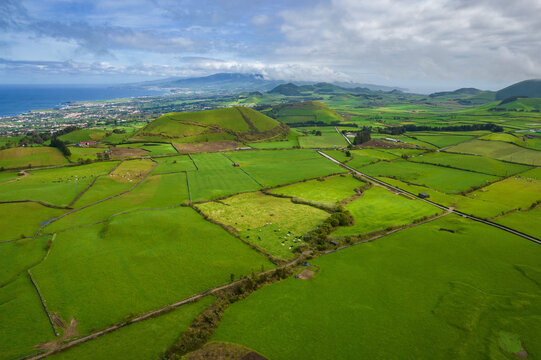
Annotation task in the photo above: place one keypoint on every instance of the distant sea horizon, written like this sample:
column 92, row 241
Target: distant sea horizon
column 20, row 99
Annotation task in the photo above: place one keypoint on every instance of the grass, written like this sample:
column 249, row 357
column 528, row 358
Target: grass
column 154, row 192
column 499, row 150
column 436, row 177
column 472, row 163
column 305, row 112
column 56, row 186
column 83, row 153
column 526, row 221
column 173, row 164
column 24, row 219
column 291, row 141
column 153, row 148
column 412, row 294
column 144, row 340
column 323, row 141
column 271, row 223
column 379, row 209
column 140, row 261
column 272, row 168
column 28, row 325
column 24, row 157
column 517, row 192
column 327, row 190
column 81, row 135
column 439, row 140
column 217, row 177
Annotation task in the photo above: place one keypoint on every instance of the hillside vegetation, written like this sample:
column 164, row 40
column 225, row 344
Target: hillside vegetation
column 529, row 88
column 235, row 124
column 305, row 113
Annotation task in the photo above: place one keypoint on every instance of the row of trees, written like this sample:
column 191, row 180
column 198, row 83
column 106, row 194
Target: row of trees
column 397, row 130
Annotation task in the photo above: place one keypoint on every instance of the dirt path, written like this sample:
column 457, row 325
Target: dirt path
column 24, row 174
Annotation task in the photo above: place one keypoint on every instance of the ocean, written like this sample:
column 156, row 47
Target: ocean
column 19, row 99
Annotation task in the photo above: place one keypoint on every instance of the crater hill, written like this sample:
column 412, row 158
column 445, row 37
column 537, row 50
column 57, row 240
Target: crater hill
column 211, row 129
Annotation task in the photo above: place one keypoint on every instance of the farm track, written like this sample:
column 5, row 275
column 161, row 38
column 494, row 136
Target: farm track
column 398, row 190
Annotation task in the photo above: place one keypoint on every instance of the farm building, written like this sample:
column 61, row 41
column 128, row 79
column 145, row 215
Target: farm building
column 86, row 143
column 424, row 195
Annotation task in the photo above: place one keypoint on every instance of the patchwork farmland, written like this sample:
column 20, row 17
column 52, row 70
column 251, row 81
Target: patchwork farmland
column 228, row 234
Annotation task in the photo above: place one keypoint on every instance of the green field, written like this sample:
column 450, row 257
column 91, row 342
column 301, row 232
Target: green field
column 495, row 198
column 526, row 221
column 173, row 164
column 305, row 112
column 472, row 163
column 499, row 150
column 323, row 141
column 272, row 168
column 153, row 148
column 379, row 209
column 83, row 153
column 437, row 177
column 25, row 157
column 440, row 140
column 217, row 177
column 148, row 339
column 56, row 186
column 142, row 261
column 408, row 295
column 273, row 224
column 328, row 190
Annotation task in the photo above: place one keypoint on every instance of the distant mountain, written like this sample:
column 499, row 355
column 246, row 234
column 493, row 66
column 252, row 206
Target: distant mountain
column 291, row 89
column 463, row 91
column 529, row 88
column 235, row 83
column 223, row 82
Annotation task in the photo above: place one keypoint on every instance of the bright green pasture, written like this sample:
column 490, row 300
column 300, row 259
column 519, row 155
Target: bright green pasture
column 408, row 152
column 24, row 324
column 7, row 176
column 420, row 293
column 217, row 177
column 144, row 340
column 435, row 196
column 472, row 163
column 405, row 139
column 23, row 157
column 81, row 135
column 499, row 150
column 441, row 141
column 436, row 177
column 121, row 179
column 157, row 191
column 328, row 190
column 323, row 141
column 272, row 168
column 24, row 219
column 18, row 256
column 379, row 209
column 56, row 186
column 525, row 221
column 517, row 192
column 272, row 223
column 173, row 164
column 83, row 153
column 153, row 148
column 138, row 262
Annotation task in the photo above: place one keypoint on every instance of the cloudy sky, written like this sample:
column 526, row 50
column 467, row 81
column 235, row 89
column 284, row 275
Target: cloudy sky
column 417, row 44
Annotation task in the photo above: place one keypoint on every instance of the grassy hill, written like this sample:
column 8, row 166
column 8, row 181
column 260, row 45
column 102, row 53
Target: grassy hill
column 234, row 124
column 308, row 112
column 529, row 88
column 518, row 104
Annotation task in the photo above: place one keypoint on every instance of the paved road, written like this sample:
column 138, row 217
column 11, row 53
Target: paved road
column 394, row 188
column 345, row 137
